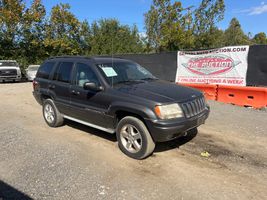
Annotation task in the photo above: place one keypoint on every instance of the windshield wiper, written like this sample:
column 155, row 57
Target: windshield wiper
column 149, row 78
column 128, row 81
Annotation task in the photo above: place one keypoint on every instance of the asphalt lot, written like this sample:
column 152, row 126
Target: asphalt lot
column 78, row 162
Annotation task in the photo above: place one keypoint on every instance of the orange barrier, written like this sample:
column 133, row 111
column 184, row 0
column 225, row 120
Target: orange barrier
column 210, row 91
column 255, row 97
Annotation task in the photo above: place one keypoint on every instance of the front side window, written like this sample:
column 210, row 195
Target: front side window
column 45, row 70
column 63, row 72
column 84, row 74
column 121, row 72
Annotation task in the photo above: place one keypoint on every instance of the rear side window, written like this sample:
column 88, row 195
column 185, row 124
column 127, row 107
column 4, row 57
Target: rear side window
column 63, row 72
column 45, row 70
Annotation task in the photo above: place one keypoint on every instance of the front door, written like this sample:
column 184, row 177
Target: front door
column 88, row 104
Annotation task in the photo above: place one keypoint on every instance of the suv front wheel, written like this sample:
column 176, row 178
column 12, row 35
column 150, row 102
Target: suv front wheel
column 51, row 114
column 133, row 138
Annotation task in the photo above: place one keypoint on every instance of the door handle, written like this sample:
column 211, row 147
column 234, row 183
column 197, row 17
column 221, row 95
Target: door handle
column 51, row 86
column 75, row 92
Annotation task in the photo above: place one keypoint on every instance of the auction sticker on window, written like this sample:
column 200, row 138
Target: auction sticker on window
column 223, row 66
column 109, row 71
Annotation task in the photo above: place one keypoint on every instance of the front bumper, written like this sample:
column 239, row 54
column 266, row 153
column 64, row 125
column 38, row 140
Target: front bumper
column 5, row 78
column 165, row 130
column 30, row 77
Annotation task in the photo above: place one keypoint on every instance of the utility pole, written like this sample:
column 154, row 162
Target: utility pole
column 188, row 15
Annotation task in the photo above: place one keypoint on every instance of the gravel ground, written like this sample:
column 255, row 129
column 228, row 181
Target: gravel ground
column 78, row 162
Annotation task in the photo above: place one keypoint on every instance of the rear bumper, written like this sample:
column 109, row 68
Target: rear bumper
column 165, row 130
column 37, row 97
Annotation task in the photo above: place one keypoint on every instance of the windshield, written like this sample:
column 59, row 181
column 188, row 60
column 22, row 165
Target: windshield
column 123, row 72
column 5, row 64
column 33, row 68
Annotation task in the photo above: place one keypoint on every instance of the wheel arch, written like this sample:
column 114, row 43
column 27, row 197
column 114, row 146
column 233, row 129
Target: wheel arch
column 122, row 109
column 43, row 97
column 120, row 114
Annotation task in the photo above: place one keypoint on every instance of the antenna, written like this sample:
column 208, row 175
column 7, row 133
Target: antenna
column 112, row 56
column 112, row 51
column 188, row 14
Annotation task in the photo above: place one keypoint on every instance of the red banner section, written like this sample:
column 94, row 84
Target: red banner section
column 219, row 81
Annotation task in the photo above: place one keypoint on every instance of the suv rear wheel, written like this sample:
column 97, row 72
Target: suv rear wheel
column 133, row 138
column 51, row 114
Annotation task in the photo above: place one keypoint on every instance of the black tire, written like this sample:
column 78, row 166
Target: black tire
column 147, row 144
column 58, row 119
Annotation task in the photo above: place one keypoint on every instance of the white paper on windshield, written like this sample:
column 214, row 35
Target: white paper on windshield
column 109, row 71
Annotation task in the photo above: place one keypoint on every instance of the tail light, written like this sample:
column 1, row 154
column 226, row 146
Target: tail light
column 35, row 84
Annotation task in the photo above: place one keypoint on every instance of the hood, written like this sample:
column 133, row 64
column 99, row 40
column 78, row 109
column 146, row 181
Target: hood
column 3, row 67
column 32, row 72
column 160, row 91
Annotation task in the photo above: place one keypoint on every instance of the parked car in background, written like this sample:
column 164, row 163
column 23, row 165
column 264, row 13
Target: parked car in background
column 31, row 72
column 9, row 71
column 118, row 96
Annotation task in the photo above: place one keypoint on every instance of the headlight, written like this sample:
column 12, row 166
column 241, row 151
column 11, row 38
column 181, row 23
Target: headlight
column 169, row 111
column 18, row 71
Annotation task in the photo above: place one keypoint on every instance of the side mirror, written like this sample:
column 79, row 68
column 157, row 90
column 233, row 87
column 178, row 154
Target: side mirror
column 92, row 86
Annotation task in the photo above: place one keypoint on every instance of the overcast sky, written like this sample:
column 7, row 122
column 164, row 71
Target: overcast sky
column 252, row 14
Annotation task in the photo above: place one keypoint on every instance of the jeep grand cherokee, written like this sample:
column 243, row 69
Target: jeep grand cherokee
column 117, row 96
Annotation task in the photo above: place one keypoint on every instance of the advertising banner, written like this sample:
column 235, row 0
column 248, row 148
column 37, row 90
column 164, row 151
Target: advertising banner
column 223, row 66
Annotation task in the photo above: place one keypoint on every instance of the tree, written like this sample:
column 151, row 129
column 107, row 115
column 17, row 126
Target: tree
column 209, row 13
column 32, row 42
column 85, row 38
column 260, row 38
column 164, row 27
column 108, row 37
column 11, row 18
column 234, row 34
column 213, row 38
column 62, row 32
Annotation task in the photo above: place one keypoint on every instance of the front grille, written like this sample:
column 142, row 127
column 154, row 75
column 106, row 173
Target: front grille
column 194, row 107
column 8, row 72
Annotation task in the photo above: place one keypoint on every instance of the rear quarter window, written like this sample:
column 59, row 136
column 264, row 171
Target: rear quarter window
column 45, row 70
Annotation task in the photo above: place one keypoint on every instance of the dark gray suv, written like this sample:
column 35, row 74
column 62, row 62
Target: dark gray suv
column 117, row 96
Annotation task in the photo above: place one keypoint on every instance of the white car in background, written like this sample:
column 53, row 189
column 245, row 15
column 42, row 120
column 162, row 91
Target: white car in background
column 31, row 72
column 9, row 71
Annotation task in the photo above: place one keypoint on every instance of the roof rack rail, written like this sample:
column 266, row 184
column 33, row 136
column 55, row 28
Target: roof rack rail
column 107, row 56
column 66, row 56
column 86, row 57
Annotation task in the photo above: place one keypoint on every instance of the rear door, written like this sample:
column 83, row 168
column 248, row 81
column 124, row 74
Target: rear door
column 60, row 86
